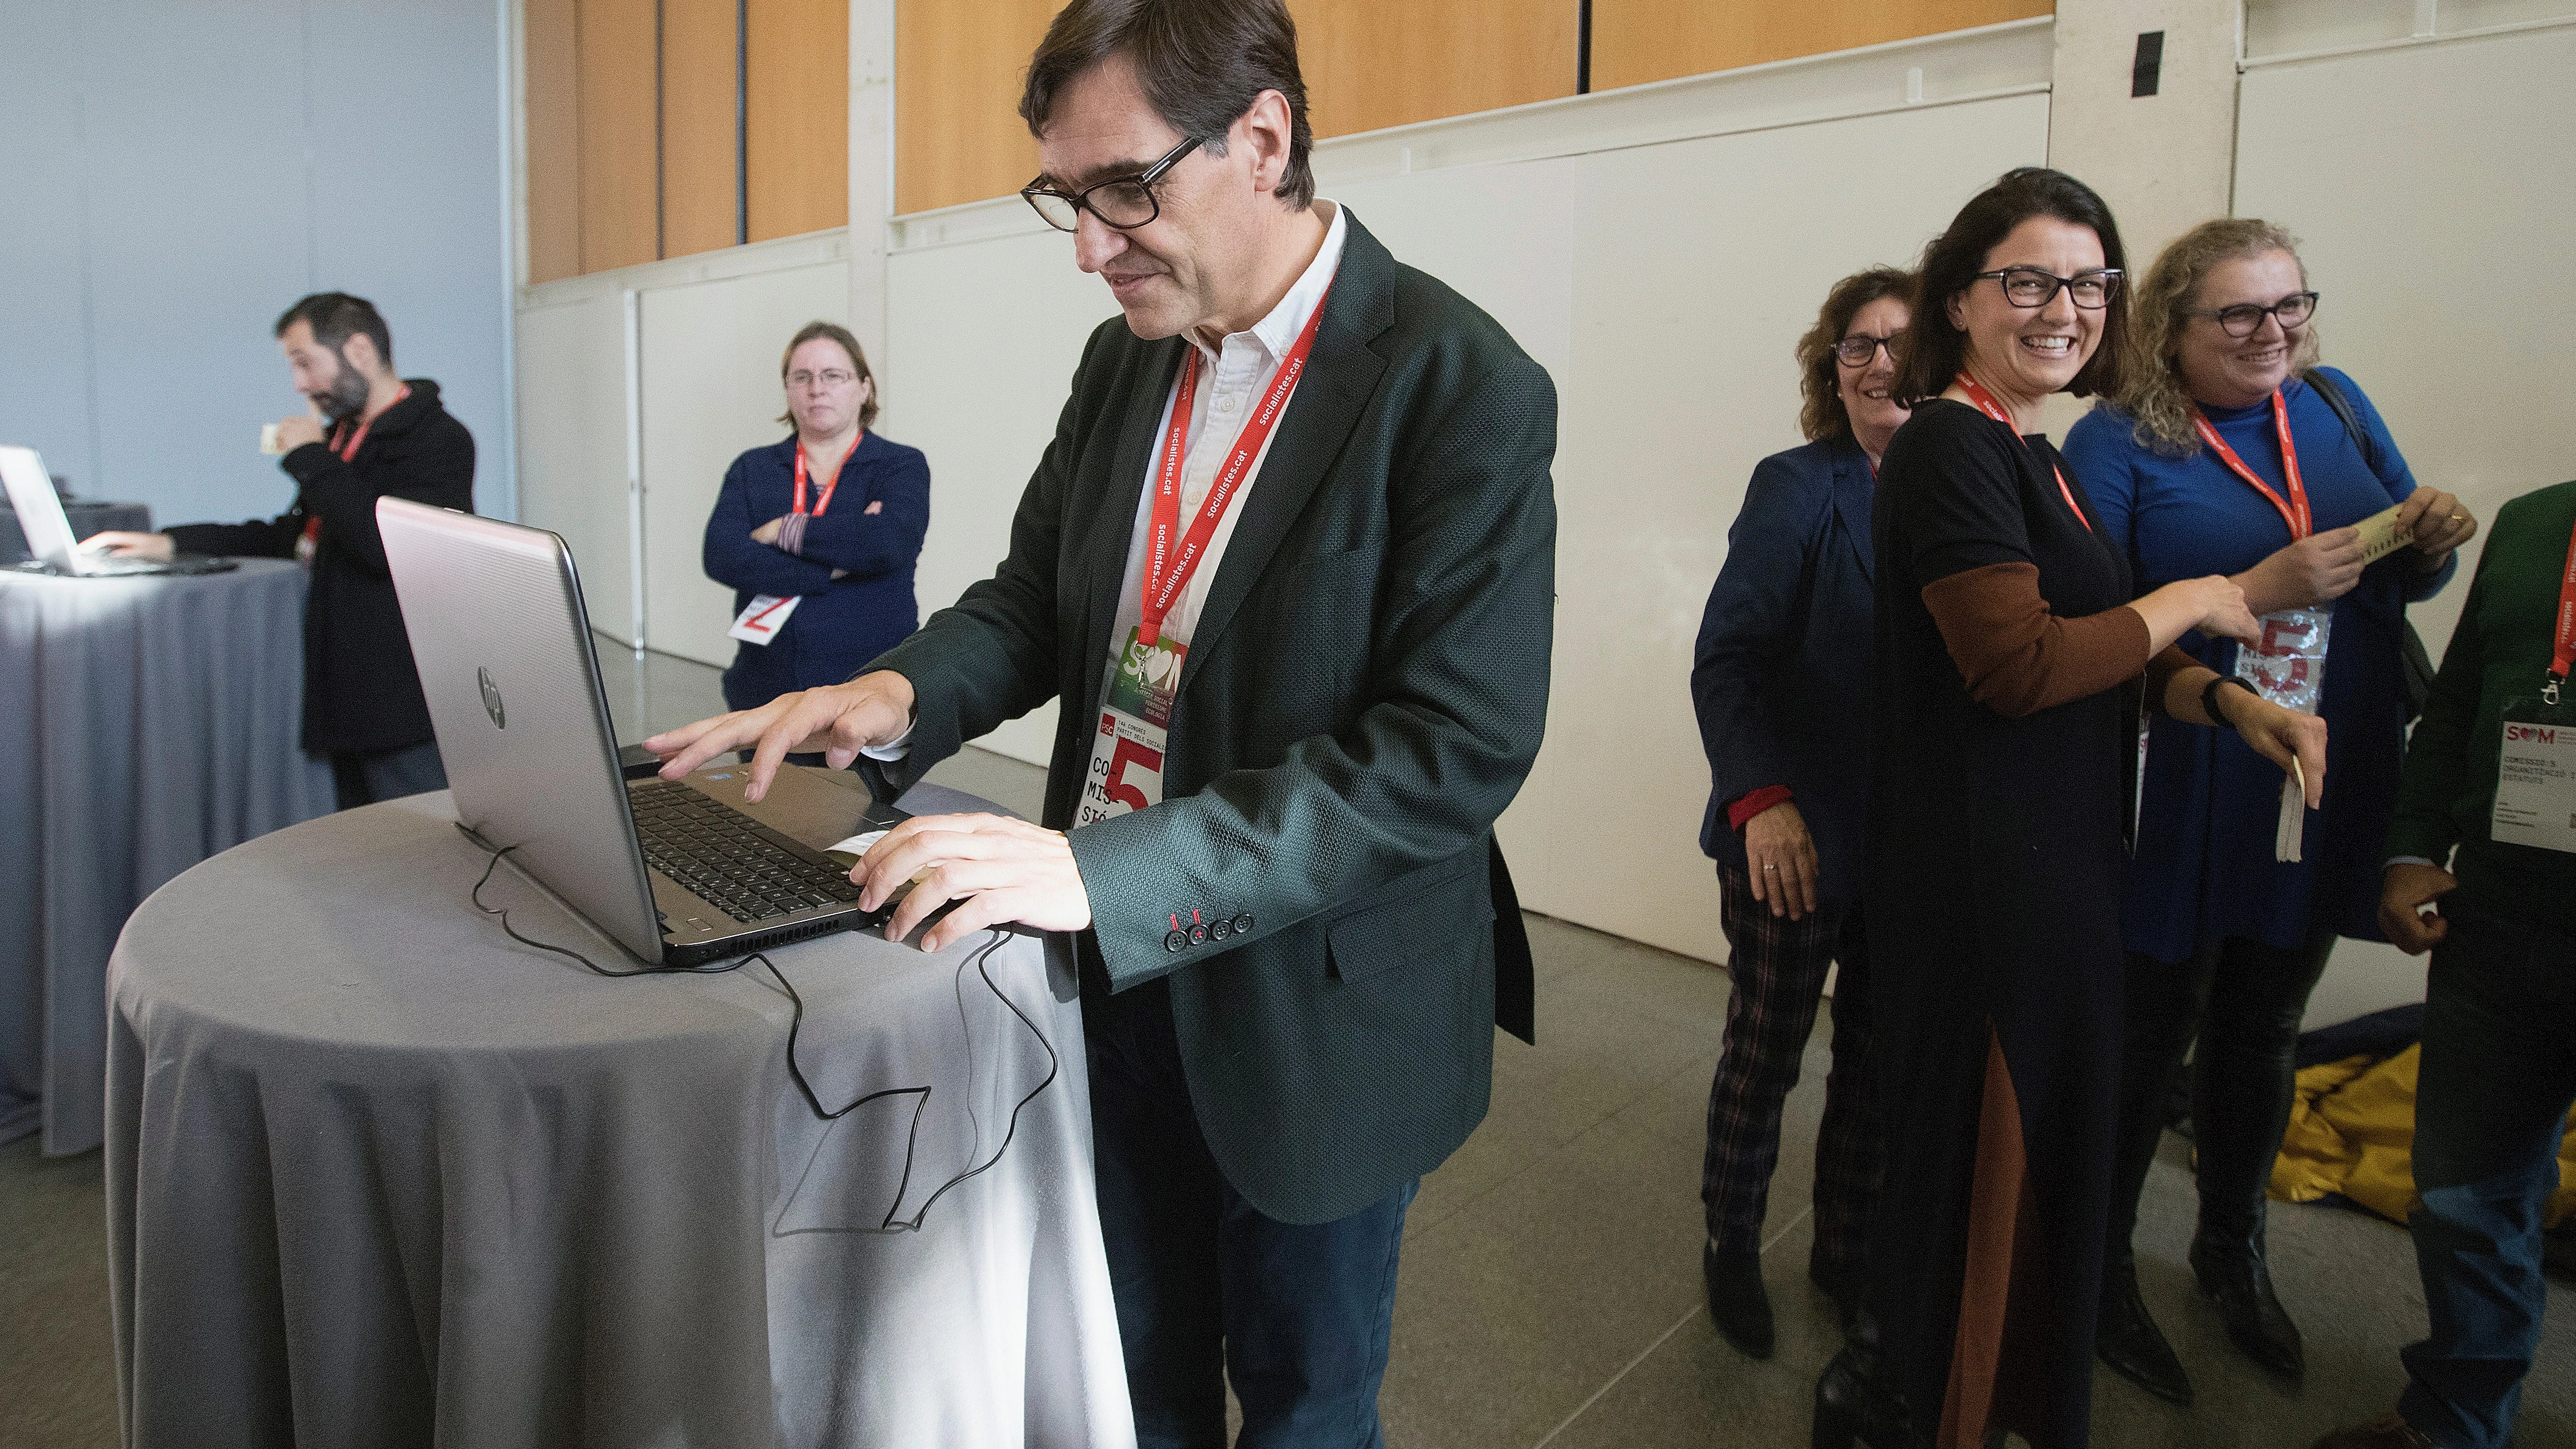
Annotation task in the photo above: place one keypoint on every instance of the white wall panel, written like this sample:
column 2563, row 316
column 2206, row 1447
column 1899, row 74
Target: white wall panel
column 2434, row 188
column 982, row 338
column 711, row 390
column 572, row 446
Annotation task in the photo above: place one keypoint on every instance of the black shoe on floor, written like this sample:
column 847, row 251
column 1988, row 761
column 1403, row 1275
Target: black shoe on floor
column 2126, row 1338
column 1736, row 1299
column 1852, row 1409
column 2232, row 1273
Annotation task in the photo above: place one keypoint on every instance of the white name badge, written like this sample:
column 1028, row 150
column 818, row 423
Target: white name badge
column 2535, row 802
column 762, row 618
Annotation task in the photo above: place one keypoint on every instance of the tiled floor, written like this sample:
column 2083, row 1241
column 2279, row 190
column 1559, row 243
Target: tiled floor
column 1549, row 1294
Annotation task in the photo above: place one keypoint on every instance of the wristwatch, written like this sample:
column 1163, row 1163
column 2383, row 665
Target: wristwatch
column 2209, row 698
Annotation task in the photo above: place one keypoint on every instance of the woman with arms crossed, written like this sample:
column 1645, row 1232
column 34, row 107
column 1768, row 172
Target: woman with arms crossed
column 2225, row 455
column 818, row 535
column 2009, row 657
column 1781, row 687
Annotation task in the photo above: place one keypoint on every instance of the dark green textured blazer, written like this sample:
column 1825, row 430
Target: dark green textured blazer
column 1365, row 692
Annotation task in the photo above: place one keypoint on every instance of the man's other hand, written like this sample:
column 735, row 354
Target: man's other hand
column 296, row 431
column 873, row 709
column 119, row 544
column 2403, row 894
column 1000, row 871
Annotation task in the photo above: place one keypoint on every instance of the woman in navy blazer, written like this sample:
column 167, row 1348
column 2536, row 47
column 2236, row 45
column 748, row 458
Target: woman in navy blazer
column 1781, row 687
column 847, row 555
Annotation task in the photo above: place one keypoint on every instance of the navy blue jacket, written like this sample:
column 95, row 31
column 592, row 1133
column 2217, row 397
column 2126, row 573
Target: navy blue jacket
column 844, row 622
column 1781, row 677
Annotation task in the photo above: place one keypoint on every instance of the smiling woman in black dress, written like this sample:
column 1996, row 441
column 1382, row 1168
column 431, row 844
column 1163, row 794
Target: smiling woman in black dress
column 2010, row 659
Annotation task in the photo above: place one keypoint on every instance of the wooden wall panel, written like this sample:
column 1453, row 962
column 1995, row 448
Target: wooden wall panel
column 553, row 136
column 1371, row 64
column 798, row 83
column 957, row 130
column 1636, row 41
column 700, row 197
column 619, row 189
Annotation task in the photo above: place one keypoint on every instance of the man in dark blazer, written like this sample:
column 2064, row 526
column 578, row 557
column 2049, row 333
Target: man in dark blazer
column 370, row 434
column 1293, row 959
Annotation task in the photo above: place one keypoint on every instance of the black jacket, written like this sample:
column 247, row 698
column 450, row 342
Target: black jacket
column 361, row 690
column 1365, row 691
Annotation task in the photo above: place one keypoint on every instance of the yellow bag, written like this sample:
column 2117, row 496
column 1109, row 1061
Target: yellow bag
column 2352, row 1131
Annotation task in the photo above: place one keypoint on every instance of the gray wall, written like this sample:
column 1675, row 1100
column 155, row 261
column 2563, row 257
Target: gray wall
column 176, row 173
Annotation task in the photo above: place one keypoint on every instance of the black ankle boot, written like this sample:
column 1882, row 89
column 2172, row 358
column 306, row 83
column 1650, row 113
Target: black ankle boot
column 2126, row 1338
column 1853, row 1408
column 1736, row 1299
column 2231, row 1271
column 1842, row 1284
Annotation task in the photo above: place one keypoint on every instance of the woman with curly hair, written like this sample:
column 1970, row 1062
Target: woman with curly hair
column 1781, row 684
column 2230, row 451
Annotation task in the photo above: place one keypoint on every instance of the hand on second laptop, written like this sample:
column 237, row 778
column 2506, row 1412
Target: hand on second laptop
column 120, row 544
column 836, row 719
column 1001, row 870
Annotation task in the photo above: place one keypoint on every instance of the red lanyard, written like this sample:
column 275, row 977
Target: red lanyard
column 825, row 499
column 349, row 454
column 2294, row 509
column 1984, row 402
column 2563, row 658
column 1167, row 567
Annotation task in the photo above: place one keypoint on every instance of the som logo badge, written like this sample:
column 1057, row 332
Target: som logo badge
column 2535, row 733
column 491, row 697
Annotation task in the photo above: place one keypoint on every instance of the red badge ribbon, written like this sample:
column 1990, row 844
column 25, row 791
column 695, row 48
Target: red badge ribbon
column 2294, row 509
column 1168, row 565
column 1984, row 402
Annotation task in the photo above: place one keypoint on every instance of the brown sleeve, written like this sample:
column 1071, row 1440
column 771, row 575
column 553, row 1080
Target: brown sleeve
column 2160, row 676
column 2017, row 657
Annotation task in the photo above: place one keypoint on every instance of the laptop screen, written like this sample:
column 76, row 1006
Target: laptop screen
column 39, row 508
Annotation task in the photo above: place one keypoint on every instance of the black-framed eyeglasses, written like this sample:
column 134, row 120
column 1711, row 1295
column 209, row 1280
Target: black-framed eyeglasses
column 2028, row 287
column 1124, row 202
column 1857, row 349
column 2245, row 318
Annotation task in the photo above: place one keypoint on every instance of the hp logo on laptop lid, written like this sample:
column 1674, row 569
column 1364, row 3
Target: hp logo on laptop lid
column 491, row 697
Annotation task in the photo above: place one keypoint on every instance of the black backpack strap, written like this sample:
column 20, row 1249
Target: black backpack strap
column 2333, row 398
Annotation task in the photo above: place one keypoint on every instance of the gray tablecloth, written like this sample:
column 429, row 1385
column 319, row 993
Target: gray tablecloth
column 377, row 1175
column 152, row 723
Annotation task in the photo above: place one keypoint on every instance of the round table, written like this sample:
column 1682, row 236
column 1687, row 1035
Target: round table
column 161, row 719
column 377, row 1174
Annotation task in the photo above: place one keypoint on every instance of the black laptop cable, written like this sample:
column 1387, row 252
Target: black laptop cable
column 996, row 938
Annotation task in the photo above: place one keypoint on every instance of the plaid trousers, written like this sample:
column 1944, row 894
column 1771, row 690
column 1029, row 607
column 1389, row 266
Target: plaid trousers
column 1778, row 966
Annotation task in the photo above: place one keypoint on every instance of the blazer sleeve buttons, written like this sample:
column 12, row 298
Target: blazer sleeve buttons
column 1176, row 941
column 1243, row 924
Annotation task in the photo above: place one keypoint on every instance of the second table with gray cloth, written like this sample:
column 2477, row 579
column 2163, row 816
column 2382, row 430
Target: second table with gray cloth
column 378, row 1174
column 156, row 721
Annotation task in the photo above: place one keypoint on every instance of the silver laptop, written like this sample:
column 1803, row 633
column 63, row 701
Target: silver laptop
column 672, row 872
column 49, row 532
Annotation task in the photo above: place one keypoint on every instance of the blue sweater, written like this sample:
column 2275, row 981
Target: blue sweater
column 845, row 623
column 2209, row 805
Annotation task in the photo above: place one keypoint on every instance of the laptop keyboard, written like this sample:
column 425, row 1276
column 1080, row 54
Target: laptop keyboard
column 729, row 859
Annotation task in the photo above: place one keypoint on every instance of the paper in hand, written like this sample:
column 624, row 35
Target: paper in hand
column 2381, row 535
column 2294, row 815
column 268, row 442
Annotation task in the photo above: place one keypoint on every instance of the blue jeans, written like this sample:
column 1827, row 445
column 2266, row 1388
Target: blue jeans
column 1209, row 1288
column 2491, row 1103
